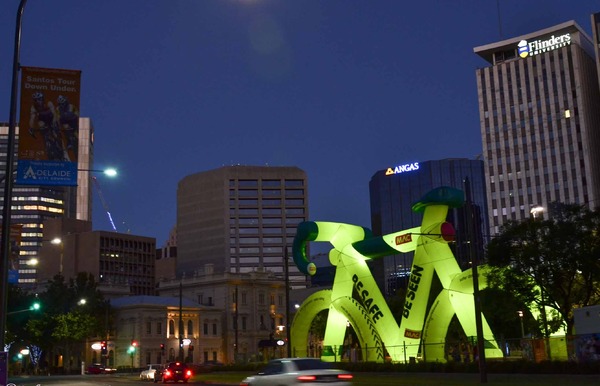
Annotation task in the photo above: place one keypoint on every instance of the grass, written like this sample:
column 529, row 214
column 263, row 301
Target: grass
column 431, row 379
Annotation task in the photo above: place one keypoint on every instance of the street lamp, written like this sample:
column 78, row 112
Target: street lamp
column 8, row 185
column 536, row 211
column 520, row 313
column 58, row 241
column 110, row 172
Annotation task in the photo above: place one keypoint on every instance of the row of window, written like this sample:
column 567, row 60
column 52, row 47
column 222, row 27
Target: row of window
column 266, row 183
column 265, row 221
column 121, row 244
column 207, row 327
column 265, row 212
column 257, row 249
column 267, row 202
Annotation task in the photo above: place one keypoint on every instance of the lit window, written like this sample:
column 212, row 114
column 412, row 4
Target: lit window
column 567, row 113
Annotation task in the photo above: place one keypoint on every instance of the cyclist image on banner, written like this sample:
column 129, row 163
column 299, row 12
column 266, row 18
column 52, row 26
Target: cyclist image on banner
column 43, row 121
column 68, row 118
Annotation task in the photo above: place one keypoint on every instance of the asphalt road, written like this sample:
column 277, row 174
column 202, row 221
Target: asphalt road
column 85, row 380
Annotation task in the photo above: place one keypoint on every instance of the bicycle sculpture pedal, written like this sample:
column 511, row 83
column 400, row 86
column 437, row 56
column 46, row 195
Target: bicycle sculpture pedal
column 368, row 313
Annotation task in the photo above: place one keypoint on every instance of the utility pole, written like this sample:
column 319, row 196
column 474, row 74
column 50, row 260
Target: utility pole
column 287, row 302
column 180, row 321
column 235, row 325
column 475, row 262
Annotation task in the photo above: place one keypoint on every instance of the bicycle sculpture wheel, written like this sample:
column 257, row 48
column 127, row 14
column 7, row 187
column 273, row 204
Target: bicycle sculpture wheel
column 378, row 333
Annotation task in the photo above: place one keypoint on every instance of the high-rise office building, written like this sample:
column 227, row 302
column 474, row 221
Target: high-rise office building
column 240, row 219
column 31, row 205
column 393, row 192
column 539, row 105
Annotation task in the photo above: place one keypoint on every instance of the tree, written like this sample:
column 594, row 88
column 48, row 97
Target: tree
column 66, row 319
column 553, row 263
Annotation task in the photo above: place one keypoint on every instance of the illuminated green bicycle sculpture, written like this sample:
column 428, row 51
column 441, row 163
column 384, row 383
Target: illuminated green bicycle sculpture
column 374, row 325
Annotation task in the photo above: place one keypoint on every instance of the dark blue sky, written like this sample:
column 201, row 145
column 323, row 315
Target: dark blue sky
column 339, row 88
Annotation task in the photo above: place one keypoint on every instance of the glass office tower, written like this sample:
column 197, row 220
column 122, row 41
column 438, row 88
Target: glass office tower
column 393, row 192
column 33, row 204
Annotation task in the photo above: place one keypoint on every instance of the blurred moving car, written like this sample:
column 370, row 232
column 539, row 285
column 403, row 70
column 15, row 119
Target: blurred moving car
column 98, row 368
column 208, row 366
column 299, row 371
column 174, row 371
column 148, row 374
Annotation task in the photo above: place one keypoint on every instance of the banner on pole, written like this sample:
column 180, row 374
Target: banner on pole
column 48, row 127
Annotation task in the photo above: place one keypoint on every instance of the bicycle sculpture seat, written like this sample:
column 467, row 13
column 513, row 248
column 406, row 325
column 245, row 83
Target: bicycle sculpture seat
column 356, row 299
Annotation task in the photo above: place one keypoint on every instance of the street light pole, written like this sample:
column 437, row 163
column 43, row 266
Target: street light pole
column 520, row 313
column 8, row 182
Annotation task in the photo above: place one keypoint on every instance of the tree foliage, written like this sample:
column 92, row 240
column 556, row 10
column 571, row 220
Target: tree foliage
column 553, row 263
column 71, row 312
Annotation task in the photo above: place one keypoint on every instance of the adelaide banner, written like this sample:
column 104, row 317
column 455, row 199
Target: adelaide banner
column 48, row 127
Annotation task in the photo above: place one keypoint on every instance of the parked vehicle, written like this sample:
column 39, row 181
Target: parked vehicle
column 174, row 371
column 98, row 368
column 149, row 372
column 299, row 371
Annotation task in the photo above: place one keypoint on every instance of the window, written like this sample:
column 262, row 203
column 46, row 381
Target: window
column 271, row 202
column 171, row 327
column 294, row 183
column 247, row 183
column 190, row 328
column 294, row 192
column 244, row 323
column 261, row 299
column 158, row 328
column 214, row 326
column 271, row 183
column 244, row 298
column 205, row 329
column 148, row 328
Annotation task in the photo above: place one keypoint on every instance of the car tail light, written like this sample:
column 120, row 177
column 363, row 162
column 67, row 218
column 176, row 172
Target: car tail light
column 345, row 377
column 188, row 373
column 306, row 378
column 168, row 373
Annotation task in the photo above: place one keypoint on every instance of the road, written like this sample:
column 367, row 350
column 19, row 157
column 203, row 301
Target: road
column 85, row 380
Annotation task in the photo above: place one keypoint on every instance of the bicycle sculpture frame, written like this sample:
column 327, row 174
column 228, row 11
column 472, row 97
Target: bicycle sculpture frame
column 370, row 317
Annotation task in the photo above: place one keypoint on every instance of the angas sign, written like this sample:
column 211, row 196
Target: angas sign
column 402, row 168
column 539, row 46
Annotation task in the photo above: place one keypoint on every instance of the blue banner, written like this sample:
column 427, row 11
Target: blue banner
column 31, row 172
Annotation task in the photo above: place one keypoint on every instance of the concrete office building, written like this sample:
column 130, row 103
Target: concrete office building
column 393, row 192
column 32, row 205
column 539, row 105
column 240, row 219
column 122, row 264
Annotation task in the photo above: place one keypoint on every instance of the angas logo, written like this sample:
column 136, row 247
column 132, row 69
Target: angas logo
column 403, row 239
column 536, row 47
column 402, row 168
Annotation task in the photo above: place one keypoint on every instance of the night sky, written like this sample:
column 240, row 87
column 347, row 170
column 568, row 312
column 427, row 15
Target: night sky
column 339, row 88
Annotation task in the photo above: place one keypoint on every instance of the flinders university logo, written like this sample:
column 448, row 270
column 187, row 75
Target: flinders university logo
column 537, row 47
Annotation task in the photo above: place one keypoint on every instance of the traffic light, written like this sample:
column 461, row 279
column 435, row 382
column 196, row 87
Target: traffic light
column 162, row 348
column 133, row 346
column 35, row 306
column 103, row 348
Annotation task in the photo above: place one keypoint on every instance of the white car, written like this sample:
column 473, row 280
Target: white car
column 299, row 371
column 148, row 374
